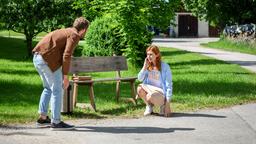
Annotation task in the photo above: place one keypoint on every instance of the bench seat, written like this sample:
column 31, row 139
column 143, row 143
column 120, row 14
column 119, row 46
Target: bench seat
column 100, row 64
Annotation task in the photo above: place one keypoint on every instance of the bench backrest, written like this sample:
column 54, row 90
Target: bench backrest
column 98, row 64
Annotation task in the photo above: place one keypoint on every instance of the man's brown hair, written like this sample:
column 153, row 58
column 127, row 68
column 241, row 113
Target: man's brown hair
column 81, row 23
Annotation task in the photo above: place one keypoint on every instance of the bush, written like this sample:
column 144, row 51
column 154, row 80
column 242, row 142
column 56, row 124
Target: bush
column 113, row 34
column 104, row 38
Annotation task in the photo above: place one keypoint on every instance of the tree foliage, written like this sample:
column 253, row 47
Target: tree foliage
column 133, row 17
column 31, row 17
column 161, row 12
column 223, row 12
column 157, row 12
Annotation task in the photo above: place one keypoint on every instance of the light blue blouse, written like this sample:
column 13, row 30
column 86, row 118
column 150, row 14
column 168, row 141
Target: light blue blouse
column 166, row 76
column 154, row 78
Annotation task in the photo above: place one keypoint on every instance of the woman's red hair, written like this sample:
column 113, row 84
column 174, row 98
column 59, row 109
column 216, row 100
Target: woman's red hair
column 156, row 51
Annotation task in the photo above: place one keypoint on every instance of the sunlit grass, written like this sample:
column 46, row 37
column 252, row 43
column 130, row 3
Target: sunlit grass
column 11, row 33
column 199, row 82
column 229, row 45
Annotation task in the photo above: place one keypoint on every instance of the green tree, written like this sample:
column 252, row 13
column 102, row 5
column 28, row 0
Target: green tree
column 157, row 12
column 133, row 16
column 92, row 8
column 161, row 12
column 31, row 17
column 223, row 12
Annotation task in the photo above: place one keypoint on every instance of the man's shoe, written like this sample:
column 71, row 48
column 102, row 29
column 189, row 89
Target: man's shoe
column 61, row 126
column 43, row 123
column 148, row 110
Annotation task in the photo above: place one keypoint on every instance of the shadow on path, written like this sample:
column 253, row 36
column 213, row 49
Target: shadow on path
column 22, row 133
column 119, row 130
column 175, row 114
column 196, row 115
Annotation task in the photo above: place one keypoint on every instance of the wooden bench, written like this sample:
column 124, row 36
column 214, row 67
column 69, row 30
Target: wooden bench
column 100, row 64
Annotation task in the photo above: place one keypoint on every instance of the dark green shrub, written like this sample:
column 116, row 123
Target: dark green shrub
column 104, row 37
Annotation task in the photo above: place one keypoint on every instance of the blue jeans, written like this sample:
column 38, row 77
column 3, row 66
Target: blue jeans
column 53, row 90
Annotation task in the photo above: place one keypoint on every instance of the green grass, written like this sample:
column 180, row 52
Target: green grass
column 199, row 83
column 15, row 34
column 10, row 33
column 232, row 46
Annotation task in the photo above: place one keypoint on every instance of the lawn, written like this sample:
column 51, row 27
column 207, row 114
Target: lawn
column 15, row 34
column 233, row 46
column 199, row 82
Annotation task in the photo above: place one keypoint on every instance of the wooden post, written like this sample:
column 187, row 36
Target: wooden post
column 133, row 91
column 75, row 90
column 118, row 85
column 92, row 96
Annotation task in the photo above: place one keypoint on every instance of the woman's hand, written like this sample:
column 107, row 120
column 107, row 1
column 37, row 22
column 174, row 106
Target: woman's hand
column 167, row 110
column 145, row 63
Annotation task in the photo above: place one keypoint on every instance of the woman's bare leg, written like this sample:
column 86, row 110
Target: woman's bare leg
column 142, row 94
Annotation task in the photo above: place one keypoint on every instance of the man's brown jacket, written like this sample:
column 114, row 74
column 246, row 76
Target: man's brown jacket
column 57, row 48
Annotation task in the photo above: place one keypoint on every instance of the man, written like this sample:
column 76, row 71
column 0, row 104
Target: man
column 52, row 56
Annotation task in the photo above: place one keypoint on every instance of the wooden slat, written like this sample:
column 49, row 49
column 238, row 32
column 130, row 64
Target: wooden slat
column 127, row 78
column 98, row 64
column 106, row 79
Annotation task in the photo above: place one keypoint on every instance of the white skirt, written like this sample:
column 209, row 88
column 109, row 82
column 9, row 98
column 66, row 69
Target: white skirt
column 154, row 94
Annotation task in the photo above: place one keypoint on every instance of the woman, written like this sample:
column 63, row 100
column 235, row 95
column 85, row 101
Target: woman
column 156, row 87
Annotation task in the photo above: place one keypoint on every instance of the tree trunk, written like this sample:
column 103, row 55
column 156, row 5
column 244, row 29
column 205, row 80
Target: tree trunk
column 29, row 46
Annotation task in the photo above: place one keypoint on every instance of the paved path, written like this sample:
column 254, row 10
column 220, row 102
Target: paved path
column 193, row 44
column 234, row 125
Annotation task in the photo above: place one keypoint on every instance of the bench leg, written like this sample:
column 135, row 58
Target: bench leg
column 92, row 97
column 133, row 91
column 75, row 91
column 118, row 90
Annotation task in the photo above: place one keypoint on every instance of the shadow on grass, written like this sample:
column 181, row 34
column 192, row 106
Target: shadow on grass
column 5, row 116
column 204, row 72
column 104, row 91
column 105, row 94
column 123, row 109
column 198, row 62
column 215, row 88
column 135, row 130
column 20, row 72
column 89, row 114
column 14, row 48
column 17, row 93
